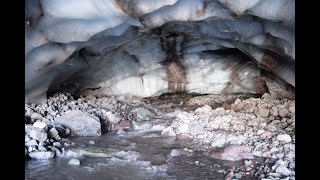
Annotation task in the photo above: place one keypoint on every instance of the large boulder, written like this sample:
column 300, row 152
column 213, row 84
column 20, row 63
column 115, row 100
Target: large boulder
column 80, row 123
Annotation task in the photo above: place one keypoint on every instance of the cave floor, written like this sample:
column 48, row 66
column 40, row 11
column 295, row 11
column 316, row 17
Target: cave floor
column 176, row 136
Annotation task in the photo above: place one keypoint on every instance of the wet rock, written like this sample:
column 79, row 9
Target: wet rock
column 182, row 136
column 141, row 126
column 142, row 113
column 40, row 125
column 113, row 118
column 80, row 123
column 74, row 162
column 92, row 142
column 42, row 148
column 42, row 154
column 237, row 175
column 229, row 176
column 168, row 131
column 53, row 133
column 25, row 152
column 233, row 153
column 263, row 112
column 124, row 125
column 38, row 134
column 284, row 138
column 158, row 159
column 99, row 152
column 57, row 144
column 175, row 152
column 120, row 131
column 128, row 155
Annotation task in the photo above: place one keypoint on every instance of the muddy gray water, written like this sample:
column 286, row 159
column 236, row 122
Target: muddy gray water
column 140, row 155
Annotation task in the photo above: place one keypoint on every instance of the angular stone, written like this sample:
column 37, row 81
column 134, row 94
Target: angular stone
column 284, row 138
column 233, row 153
column 38, row 134
column 142, row 113
column 42, row 154
column 283, row 113
column 80, row 123
column 40, row 125
column 124, row 125
column 262, row 112
column 75, row 162
column 114, row 118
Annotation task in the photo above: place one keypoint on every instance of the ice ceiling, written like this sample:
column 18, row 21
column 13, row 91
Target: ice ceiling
column 151, row 47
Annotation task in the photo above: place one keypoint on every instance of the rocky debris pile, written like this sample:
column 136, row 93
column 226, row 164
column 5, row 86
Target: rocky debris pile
column 110, row 111
column 260, row 127
column 63, row 116
column 41, row 140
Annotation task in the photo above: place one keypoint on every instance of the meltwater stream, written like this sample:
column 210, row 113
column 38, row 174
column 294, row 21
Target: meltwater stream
column 133, row 155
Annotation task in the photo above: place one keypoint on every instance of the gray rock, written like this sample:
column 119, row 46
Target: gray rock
column 40, row 125
column 38, row 134
column 183, row 128
column 274, row 174
column 42, row 154
column 196, row 129
column 120, row 131
column 42, row 148
column 283, row 170
column 25, row 151
column 283, row 113
column 53, row 133
column 284, row 138
column 263, row 112
column 237, row 175
column 57, row 151
column 74, row 162
column 168, row 131
column 142, row 113
column 292, row 109
column 80, row 123
column 114, row 118
column 240, row 106
column 32, row 142
column 266, row 96
column 36, row 116
column 233, row 153
column 175, row 152
column 57, row 144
